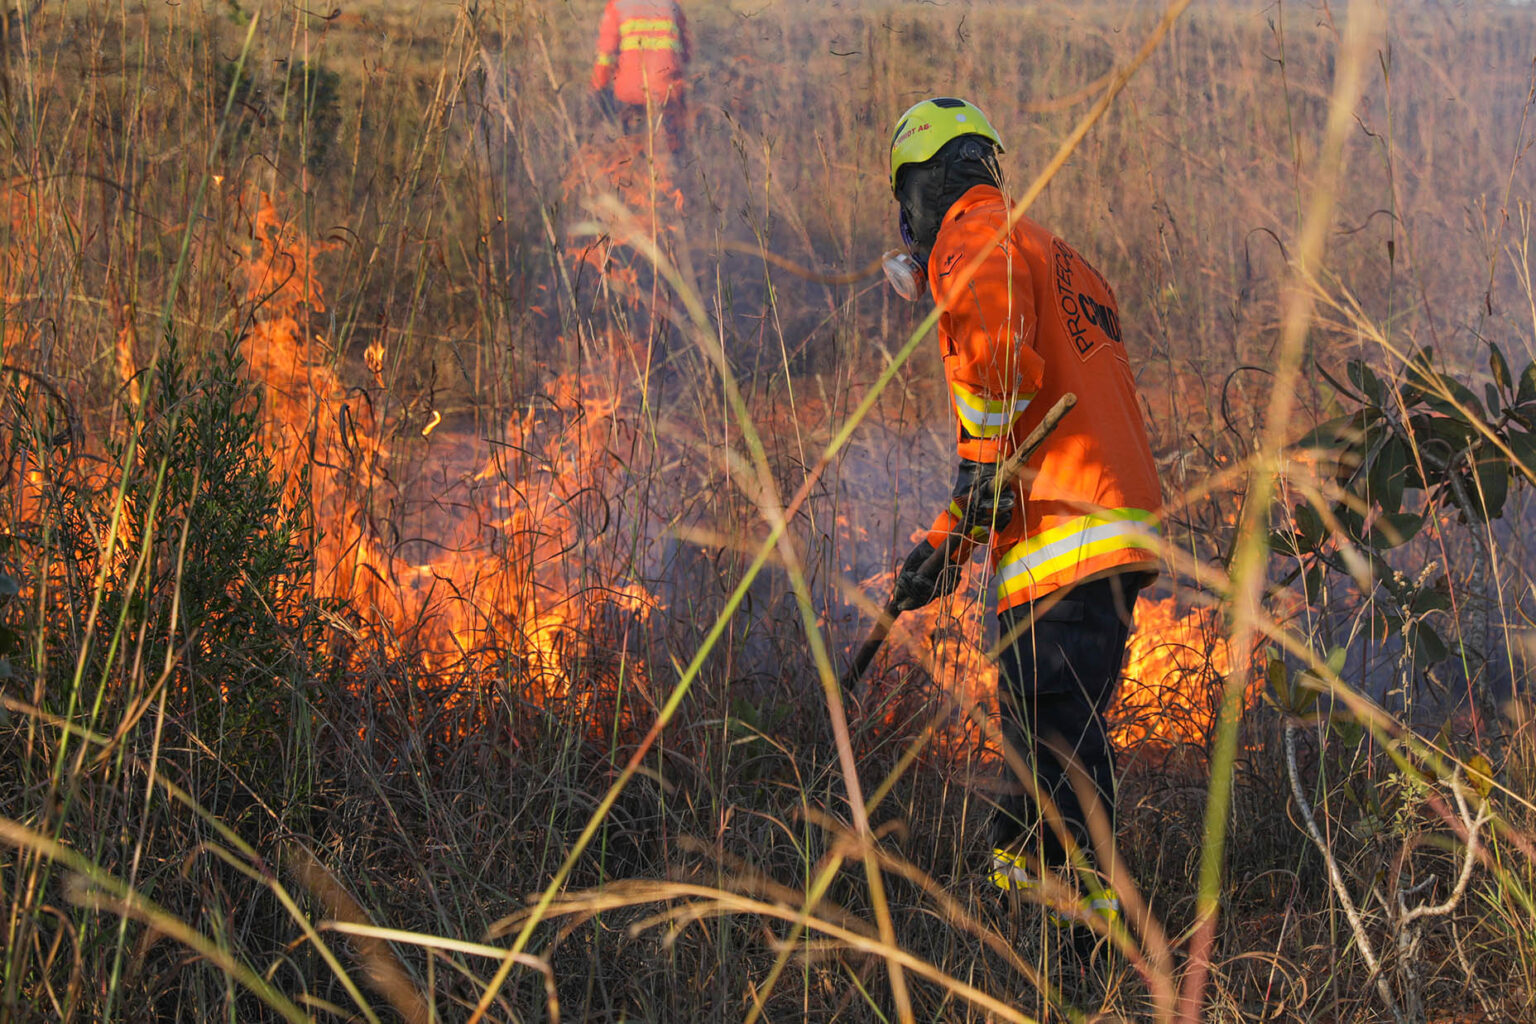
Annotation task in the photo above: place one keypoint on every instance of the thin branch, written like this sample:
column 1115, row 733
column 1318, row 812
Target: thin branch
column 1336, row 878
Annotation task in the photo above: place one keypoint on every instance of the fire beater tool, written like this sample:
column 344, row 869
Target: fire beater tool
column 1005, row 475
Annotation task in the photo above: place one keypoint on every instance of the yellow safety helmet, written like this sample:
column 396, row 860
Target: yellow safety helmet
column 927, row 126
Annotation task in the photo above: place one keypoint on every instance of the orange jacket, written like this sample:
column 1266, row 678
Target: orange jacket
column 1036, row 321
column 642, row 48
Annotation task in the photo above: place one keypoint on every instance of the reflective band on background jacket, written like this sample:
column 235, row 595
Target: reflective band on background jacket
column 642, row 49
column 663, row 26
column 1032, row 323
column 646, row 43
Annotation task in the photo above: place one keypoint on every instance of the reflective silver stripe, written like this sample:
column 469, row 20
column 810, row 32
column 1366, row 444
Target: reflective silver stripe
column 986, row 417
column 1009, row 872
column 1074, row 541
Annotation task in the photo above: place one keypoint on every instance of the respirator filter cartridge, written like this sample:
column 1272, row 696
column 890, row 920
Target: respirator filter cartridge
column 903, row 273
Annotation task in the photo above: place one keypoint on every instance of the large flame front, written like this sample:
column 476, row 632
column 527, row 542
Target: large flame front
column 497, row 527
column 490, row 571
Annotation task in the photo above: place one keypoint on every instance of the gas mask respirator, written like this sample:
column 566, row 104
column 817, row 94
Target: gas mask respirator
column 904, row 273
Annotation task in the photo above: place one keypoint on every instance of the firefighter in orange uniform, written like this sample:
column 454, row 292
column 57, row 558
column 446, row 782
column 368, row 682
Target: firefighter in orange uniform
column 1074, row 539
column 642, row 52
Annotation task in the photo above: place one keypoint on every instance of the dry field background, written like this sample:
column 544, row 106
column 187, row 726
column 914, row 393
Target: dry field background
column 433, row 526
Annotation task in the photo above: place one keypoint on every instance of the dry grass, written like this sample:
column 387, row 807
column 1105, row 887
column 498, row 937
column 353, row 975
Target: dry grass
column 346, row 704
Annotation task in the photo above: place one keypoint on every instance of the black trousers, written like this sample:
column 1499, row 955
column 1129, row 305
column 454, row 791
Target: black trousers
column 635, row 120
column 1055, row 681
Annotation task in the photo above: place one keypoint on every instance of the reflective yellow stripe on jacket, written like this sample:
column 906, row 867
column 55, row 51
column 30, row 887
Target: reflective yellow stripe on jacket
column 649, row 34
column 647, row 25
column 1065, row 547
column 983, row 417
column 648, row 43
column 979, row 533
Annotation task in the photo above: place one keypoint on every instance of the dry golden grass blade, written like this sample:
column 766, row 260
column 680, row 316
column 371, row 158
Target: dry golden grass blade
column 383, row 971
column 440, row 942
column 376, row 934
column 91, row 887
column 700, row 900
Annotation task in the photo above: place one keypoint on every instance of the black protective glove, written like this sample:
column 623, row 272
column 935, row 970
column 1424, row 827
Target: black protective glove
column 915, row 588
column 976, row 491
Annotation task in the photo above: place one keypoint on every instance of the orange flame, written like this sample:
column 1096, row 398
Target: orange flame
column 1177, row 662
column 1176, row 666
column 497, row 583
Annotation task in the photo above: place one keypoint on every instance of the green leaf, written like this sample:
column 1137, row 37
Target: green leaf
column 1389, row 473
column 1451, row 429
column 1493, row 474
column 1386, row 624
column 1435, row 598
column 1394, row 529
column 1499, row 367
column 1335, row 433
column 1488, row 489
column 1428, row 648
column 1419, row 375
column 1380, row 569
column 1312, row 583
column 1491, row 400
column 1275, row 672
column 1281, row 688
column 1526, row 392
column 1309, row 527
column 1351, row 521
column 1461, row 398
column 1480, row 774
column 1524, row 448
column 1293, row 693
column 1462, row 394
column 1367, row 382
column 1349, row 731
column 1336, row 658
column 1303, row 698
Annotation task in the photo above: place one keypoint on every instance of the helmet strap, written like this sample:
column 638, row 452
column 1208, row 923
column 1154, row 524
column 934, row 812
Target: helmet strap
column 909, row 240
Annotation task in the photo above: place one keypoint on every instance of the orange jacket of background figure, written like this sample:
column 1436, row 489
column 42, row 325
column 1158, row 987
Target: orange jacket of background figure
column 642, row 48
column 1033, row 323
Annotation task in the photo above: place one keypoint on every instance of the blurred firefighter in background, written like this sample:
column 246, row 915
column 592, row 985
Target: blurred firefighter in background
column 642, row 59
column 1074, row 538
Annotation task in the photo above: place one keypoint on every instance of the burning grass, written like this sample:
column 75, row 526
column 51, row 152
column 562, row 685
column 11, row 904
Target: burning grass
column 391, row 445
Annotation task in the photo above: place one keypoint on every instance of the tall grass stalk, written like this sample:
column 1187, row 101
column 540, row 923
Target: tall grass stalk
column 1250, row 562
